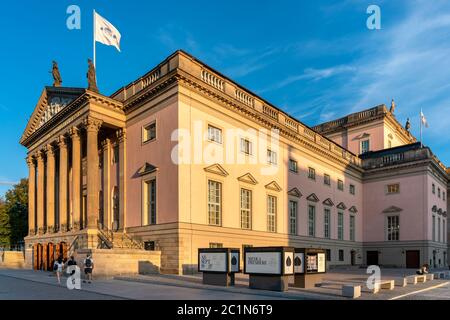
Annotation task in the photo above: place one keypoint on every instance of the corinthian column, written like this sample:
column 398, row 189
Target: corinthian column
column 50, row 185
column 121, row 135
column 76, row 177
column 106, row 145
column 63, row 183
column 92, row 128
column 31, row 196
column 40, row 193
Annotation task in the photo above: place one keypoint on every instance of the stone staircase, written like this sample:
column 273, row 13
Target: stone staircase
column 109, row 239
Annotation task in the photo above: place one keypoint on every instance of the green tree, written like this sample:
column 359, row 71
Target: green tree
column 14, row 214
column 5, row 228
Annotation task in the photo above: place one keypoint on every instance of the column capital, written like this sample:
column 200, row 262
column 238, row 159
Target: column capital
column 30, row 160
column 74, row 132
column 61, row 141
column 92, row 124
column 40, row 155
column 121, row 135
column 49, row 149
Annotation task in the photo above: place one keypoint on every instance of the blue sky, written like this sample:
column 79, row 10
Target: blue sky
column 315, row 59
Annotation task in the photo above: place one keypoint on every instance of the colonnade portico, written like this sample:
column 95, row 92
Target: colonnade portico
column 56, row 180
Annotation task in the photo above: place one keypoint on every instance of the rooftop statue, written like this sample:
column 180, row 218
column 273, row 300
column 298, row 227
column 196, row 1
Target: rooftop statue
column 392, row 107
column 57, row 81
column 408, row 125
column 92, row 81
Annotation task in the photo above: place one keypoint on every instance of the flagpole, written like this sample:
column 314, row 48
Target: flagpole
column 95, row 65
column 421, row 120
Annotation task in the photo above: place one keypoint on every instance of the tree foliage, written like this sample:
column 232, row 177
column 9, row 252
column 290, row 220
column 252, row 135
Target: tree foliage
column 14, row 215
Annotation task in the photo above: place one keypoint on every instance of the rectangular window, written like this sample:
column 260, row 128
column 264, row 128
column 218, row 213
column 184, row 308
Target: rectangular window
column 443, row 196
column 326, row 179
column 352, row 189
column 365, row 146
column 312, row 173
column 149, row 202
column 271, row 157
column 341, row 255
column 439, row 192
column 326, row 223
column 293, row 166
column 311, row 221
column 340, row 185
column 149, row 132
column 271, row 213
column 433, row 228
column 215, row 245
column 433, row 188
column 439, row 229
column 340, row 229
column 214, row 203
column 393, row 188
column 393, row 228
column 328, row 254
column 246, row 209
column 246, row 146
column 293, row 205
column 352, row 228
column 214, row 134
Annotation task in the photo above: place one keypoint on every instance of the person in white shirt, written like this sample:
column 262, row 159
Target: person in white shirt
column 58, row 268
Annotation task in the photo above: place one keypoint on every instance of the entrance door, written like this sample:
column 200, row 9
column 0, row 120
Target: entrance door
column 352, row 257
column 413, row 259
column 372, row 258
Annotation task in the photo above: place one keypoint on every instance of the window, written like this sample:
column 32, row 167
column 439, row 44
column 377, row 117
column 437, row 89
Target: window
column 246, row 146
column 444, row 228
column 149, row 132
column 246, row 209
column 365, row 146
column 271, row 157
column 341, row 255
column 434, row 228
column 149, row 245
column 293, row 166
column 340, row 226
column 393, row 188
column 340, row 185
column 326, row 223
column 149, row 193
column 439, row 192
column 311, row 221
column 328, row 254
column 352, row 189
column 214, row 202
column 389, row 144
column 271, row 213
column 214, row 134
column 215, row 245
column 393, row 228
column 326, row 179
column 352, row 228
column 433, row 188
column 312, row 173
column 439, row 229
column 293, row 205
column 443, row 196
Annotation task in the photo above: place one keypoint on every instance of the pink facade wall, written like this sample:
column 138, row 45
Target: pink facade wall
column 156, row 153
column 411, row 199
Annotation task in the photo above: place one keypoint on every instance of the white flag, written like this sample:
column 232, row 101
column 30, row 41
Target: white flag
column 423, row 119
column 105, row 32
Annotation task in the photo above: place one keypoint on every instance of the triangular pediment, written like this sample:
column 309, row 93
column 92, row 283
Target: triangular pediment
column 146, row 169
column 313, row 198
column 295, row 192
column 328, row 202
column 216, row 169
column 51, row 102
column 248, row 178
column 353, row 209
column 392, row 209
column 341, row 206
column 273, row 186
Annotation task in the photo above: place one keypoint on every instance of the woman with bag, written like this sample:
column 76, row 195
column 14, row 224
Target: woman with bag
column 58, row 268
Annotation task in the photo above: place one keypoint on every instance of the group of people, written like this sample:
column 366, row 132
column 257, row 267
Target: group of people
column 59, row 266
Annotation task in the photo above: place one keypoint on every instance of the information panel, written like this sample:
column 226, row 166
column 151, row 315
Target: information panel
column 263, row 262
column 213, row 261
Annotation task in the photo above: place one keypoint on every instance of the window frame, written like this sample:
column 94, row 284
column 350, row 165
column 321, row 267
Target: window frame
column 311, row 173
column 215, row 129
column 340, row 185
column 313, row 221
column 148, row 218
column 248, row 210
column 340, row 225
column 327, row 223
column 270, row 214
column 361, row 146
column 272, row 157
column 145, row 139
column 352, row 228
column 393, row 230
column 296, row 166
column 219, row 204
column 293, row 219
column 247, row 143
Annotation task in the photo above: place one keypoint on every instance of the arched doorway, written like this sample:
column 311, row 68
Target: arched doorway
column 44, row 265
column 37, row 256
column 50, row 256
column 63, row 250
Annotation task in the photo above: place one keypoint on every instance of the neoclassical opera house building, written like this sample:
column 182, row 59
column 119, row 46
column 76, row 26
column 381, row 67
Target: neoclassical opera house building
column 108, row 175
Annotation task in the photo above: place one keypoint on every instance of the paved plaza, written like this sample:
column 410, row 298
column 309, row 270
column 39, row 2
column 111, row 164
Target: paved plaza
column 26, row 284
